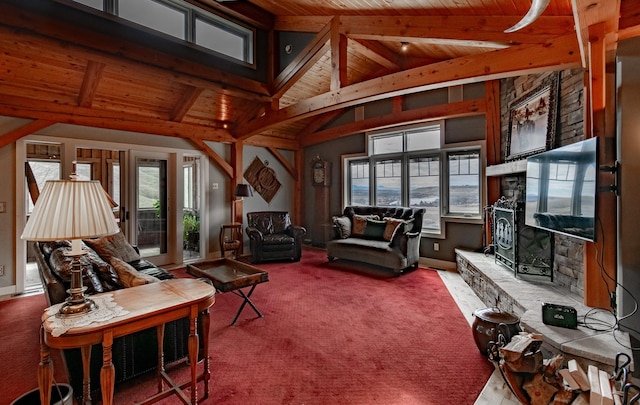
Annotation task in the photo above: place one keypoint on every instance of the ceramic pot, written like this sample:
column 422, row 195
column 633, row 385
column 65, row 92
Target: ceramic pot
column 489, row 322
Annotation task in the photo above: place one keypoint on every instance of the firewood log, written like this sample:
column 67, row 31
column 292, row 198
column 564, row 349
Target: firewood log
column 520, row 345
column 563, row 397
column 539, row 390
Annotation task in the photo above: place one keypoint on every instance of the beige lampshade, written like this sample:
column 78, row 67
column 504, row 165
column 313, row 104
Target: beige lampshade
column 70, row 209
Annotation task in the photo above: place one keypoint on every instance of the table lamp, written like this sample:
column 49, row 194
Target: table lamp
column 72, row 210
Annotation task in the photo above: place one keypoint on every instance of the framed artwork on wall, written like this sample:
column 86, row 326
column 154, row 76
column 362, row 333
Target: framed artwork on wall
column 532, row 120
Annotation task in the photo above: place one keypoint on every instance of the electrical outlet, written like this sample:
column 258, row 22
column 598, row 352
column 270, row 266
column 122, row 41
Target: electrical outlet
column 1, row 270
column 436, row 246
column 214, row 186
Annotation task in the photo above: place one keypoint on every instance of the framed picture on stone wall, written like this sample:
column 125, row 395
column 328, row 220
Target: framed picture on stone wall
column 532, row 120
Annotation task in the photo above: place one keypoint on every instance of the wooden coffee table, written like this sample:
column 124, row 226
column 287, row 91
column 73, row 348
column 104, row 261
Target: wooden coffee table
column 229, row 275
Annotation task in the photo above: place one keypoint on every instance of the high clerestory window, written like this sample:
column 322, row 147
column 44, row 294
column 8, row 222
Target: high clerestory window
column 413, row 167
column 187, row 22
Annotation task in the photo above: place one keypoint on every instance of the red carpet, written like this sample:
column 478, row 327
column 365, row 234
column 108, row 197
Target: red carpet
column 20, row 345
column 333, row 333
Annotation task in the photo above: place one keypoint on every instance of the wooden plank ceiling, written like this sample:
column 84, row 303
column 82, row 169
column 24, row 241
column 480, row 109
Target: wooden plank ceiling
column 52, row 71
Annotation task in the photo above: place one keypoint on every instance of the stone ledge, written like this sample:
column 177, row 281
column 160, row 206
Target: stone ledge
column 495, row 285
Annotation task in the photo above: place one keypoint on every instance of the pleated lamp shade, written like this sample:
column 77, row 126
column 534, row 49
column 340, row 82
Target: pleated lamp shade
column 70, row 209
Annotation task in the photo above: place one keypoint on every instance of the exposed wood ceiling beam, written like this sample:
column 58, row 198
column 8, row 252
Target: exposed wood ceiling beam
column 470, row 29
column 217, row 159
column 189, row 97
column 303, row 62
column 458, row 109
column 588, row 13
column 106, row 49
column 35, row 109
column 90, row 83
column 629, row 20
column 297, row 23
column 27, row 129
column 319, row 120
column 560, row 53
column 377, row 52
column 272, row 141
column 284, row 162
column 338, row 56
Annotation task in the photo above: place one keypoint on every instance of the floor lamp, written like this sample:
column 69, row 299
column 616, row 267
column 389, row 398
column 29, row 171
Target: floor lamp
column 242, row 190
column 72, row 210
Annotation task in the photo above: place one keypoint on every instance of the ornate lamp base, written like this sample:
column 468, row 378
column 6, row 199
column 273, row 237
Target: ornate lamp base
column 76, row 303
column 71, row 308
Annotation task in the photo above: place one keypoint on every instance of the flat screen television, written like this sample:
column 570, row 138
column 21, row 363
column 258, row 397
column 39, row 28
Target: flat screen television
column 561, row 189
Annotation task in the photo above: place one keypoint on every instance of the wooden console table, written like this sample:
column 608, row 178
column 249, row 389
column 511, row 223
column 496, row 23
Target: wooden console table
column 149, row 305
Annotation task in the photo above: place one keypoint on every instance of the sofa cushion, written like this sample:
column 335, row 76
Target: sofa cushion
column 360, row 224
column 278, row 239
column 113, row 246
column 61, row 265
column 374, row 229
column 391, row 227
column 130, row 277
column 343, row 226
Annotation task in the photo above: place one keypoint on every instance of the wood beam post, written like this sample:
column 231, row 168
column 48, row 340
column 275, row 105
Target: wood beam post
column 338, row 56
column 298, row 188
column 236, row 178
column 600, row 256
column 493, row 145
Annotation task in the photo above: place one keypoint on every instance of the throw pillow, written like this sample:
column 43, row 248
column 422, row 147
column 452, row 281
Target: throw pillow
column 391, row 227
column 61, row 265
column 343, row 225
column 113, row 246
column 374, row 229
column 360, row 223
column 130, row 277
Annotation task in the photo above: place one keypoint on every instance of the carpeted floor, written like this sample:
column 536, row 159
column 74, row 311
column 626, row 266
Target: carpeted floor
column 336, row 333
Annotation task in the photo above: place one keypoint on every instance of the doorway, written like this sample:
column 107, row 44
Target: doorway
column 151, row 208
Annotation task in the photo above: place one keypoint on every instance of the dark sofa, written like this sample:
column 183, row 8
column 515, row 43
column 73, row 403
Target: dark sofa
column 383, row 236
column 133, row 354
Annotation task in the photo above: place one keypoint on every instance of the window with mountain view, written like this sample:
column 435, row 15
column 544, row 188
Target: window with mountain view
column 411, row 167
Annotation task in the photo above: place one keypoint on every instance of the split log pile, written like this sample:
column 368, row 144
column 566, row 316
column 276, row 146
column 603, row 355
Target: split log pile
column 538, row 381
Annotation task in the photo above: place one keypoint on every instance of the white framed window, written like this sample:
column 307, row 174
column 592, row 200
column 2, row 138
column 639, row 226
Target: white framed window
column 412, row 166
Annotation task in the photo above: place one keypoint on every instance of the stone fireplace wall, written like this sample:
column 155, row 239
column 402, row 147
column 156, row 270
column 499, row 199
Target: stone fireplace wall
column 568, row 262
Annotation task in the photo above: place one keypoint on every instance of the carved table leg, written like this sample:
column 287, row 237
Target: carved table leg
column 193, row 352
column 86, row 372
column 45, row 371
column 107, row 373
column 160, row 332
column 205, row 336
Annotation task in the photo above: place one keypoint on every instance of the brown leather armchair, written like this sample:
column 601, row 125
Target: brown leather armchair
column 273, row 237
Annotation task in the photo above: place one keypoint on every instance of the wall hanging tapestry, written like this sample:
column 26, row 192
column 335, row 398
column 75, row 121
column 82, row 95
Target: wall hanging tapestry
column 263, row 179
